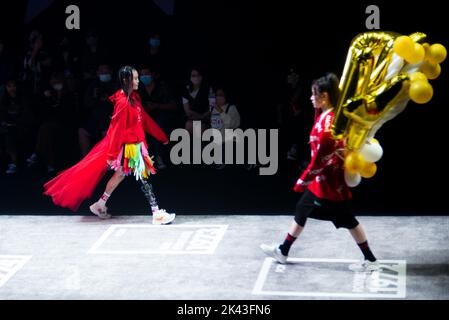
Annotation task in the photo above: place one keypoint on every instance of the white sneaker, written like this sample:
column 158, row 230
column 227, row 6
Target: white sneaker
column 12, row 168
column 364, row 266
column 274, row 252
column 163, row 217
column 101, row 211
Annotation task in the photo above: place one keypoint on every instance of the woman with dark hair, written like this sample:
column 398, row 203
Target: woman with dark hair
column 326, row 195
column 123, row 149
column 224, row 115
column 196, row 101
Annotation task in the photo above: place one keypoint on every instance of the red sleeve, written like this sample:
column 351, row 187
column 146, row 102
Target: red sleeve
column 322, row 158
column 116, row 130
column 150, row 126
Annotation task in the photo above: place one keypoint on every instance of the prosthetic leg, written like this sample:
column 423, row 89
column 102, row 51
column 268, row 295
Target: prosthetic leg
column 160, row 216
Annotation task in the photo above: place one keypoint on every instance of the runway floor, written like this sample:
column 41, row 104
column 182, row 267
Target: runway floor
column 217, row 257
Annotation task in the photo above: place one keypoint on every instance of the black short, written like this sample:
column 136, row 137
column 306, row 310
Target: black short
column 339, row 212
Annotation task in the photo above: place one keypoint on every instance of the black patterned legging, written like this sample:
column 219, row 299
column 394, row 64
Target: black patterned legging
column 147, row 189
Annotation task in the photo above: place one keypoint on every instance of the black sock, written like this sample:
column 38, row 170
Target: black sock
column 285, row 247
column 366, row 251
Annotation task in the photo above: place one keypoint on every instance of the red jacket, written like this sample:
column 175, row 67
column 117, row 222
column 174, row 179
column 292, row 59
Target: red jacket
column 324, row 176
column 129, row 123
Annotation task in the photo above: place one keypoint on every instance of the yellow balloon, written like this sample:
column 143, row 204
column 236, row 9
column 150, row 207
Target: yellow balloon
column 354, row 162
column 431, row 70
column 421, row 91
column 415, row 76
column 368, row 170
column 437, row 53
column 417, row 55
column 374, row 140
column 404, row 47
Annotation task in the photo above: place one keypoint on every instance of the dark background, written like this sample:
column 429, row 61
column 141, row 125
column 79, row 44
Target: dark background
column 249, row 44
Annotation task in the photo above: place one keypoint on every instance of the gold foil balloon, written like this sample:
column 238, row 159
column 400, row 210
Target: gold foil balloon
column 382, row 72
column 421, row 91
column 374, row 86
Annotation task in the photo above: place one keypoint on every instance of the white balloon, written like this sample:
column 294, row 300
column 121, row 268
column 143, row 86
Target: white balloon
column 352, row 179
column 371, row 152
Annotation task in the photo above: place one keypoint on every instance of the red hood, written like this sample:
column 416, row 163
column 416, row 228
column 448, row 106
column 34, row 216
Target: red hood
column 120, row 96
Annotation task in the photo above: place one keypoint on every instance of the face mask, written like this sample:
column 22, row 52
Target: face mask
column 105, row 77
column 58, row 86
column 195, row 80
column 146, row 79
column 154, row 43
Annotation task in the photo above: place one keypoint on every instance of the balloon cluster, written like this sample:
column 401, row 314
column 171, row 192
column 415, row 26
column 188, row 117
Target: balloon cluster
column 382, row 73
column 429, row 57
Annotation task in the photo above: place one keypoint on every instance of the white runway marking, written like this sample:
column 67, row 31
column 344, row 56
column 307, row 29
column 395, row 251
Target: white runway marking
column 388, row 282
column 170, row 239
column 9, row 265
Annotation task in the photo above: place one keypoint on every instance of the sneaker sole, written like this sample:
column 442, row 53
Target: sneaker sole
column 271, row 254
column 99, row 215
column 156, row 222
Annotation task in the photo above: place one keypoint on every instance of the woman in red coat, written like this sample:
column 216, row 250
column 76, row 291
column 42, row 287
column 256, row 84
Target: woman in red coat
column 325, row 193
column 123, row 149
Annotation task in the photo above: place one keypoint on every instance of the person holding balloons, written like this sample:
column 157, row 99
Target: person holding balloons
column 326, row 196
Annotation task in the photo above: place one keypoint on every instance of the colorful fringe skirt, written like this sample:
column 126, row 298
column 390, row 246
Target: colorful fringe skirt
column 134, row 159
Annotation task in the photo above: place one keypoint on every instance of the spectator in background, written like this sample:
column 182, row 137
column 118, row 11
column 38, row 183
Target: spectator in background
column 159, row 102
column 67, row 58
column 153, row 56
column 93, row 55
column 196, row 102
column 58, row 111
column 6, row 66
column 97, row 109
column 224, row 115
column 36, row 63
column 294, row 118
column 15, row 123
